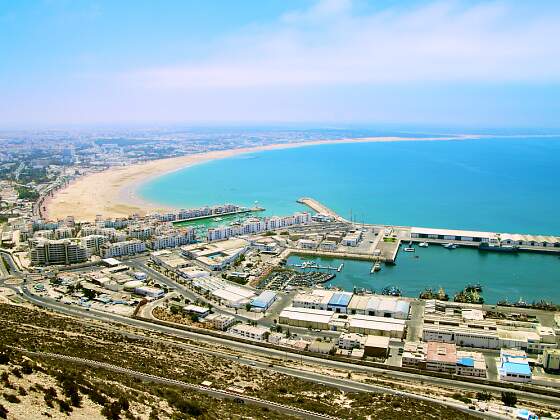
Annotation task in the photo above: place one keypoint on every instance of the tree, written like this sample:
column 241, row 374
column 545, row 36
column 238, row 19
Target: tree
column 509, row 398
column 483, row 396
column 247, row 307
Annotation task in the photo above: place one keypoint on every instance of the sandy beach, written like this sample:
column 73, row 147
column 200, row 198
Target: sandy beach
column 112, row 193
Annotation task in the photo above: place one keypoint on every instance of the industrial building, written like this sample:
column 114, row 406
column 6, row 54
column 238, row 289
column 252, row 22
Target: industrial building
column 488, row 333
column 376, row 346
column 374, row 325
column 551, row 360
column 231, row 295
column 306, row 318
column 249, row 331
column 326, row 300
column 514, row 366
column 263, row 301
column 220, row 321
column 216, row 256
column 382, row 306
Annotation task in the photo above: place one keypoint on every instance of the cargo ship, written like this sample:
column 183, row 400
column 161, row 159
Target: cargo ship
column 485, row 246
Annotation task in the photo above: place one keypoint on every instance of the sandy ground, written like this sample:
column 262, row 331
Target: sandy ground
column 112, row 193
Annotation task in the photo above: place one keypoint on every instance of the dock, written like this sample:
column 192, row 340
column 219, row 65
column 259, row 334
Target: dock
column 321, row 208
column 212, row 216
column 388, row 244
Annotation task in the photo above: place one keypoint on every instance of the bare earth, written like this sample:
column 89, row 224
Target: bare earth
column 112, row 193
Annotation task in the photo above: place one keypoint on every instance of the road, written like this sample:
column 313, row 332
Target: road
column 281, row 355
column 213, row 392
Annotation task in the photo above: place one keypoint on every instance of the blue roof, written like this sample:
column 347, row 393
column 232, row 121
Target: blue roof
column 517, row 368
column 264, row 299
column 340, row 299
column 466, row 361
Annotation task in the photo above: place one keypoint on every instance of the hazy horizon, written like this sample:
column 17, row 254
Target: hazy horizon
column 457, row 63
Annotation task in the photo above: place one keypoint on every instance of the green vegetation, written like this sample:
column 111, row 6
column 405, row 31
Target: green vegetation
column 25, row 193
column 509, row 398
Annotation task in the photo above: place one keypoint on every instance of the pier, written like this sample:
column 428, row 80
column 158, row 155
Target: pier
column 388, row 241
column 321, row 208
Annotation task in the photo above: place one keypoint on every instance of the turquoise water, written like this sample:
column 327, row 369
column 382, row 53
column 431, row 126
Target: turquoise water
column 508, row 185
column 504, row 185
column 502, row 276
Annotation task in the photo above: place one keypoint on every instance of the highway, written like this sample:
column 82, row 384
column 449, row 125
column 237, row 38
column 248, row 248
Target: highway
column 343, row 384
column 286, row 355
column 213, row 392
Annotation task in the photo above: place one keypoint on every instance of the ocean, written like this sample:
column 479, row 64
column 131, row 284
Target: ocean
column 494, row 184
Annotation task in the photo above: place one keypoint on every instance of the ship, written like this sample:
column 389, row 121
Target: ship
column 485, row 246
column 391, row 291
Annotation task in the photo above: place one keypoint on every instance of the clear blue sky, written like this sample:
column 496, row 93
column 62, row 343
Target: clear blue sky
column 464, row 63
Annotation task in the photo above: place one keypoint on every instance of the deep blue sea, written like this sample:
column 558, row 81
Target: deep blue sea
column 496, row 184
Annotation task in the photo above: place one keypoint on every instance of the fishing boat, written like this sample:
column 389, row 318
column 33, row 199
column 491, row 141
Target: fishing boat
column 423, row 244
column 376, row 267
column 217, row 219
column 391, row 291
column 485, row 246
column 409, row 249
column 450, row 246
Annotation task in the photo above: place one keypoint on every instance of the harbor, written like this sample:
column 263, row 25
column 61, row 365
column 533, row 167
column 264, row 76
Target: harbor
column 502, row 276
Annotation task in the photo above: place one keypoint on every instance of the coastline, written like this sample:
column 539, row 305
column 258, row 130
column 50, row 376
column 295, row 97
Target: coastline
column 113, row 192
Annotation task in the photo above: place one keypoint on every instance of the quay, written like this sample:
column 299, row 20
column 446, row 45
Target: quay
column 213, row 216
column 389, row 238
column 321, row 208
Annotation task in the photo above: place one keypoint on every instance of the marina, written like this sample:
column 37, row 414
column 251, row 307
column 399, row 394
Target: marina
column 502, row 275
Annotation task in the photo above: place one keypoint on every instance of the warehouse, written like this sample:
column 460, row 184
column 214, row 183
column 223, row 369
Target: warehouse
column 339, row 302
column 263, row 301
column 306, row 318
column 364, row 324
column 376, row 346
column 382, row 306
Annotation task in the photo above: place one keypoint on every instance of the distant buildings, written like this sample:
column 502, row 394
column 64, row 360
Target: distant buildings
column 249, row 331
column 118, row 249
column 255, row 225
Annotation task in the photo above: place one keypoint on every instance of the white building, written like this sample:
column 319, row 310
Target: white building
column 349, row 341
column 220, row 321
column 123, row 248
column 152, row 292
column 250, row 332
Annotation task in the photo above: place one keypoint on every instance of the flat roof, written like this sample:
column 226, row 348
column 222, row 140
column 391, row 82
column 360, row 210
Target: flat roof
column 453, row 232
column 340, row 299
column 305, row 314
column 517, row 368
column 377, row 341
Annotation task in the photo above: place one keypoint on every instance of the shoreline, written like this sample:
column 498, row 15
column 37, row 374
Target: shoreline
column 113, row 192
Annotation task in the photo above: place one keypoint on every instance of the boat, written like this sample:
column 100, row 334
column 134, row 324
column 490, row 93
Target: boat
column 409, row 249
column 423, row 244
column 376, row 267
column 391, row 291
column 217, row 219
column 450, row 246
column 485, row 246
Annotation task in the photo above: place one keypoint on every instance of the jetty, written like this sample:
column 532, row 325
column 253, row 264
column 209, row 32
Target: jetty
column 389, row 238
column 321, row 208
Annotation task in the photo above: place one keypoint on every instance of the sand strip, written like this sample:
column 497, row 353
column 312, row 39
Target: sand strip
column 112, row 193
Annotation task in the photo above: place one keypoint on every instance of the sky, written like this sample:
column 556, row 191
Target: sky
column 456, row 63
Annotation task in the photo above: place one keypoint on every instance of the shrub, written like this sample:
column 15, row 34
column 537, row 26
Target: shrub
column 461, row 398
column 3, row 412
column 112, row 410
column 11, row 398
column 64, row 407
column 509, row 398
column 26, row 368
column 188, row 407
column 22, row 391
column 483, row 396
